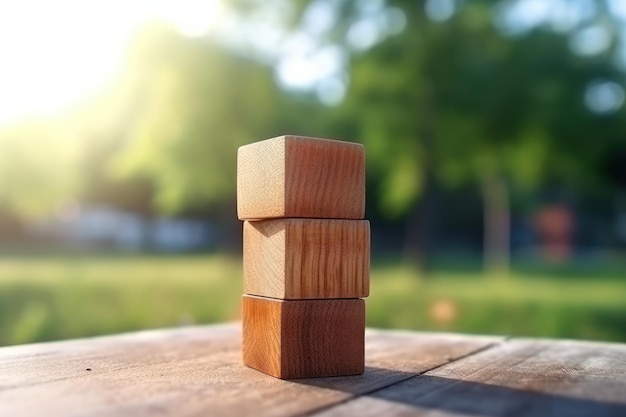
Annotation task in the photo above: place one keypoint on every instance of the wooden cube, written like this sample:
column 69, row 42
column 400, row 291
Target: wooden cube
column 305, row 338
column 306, row 258
column 295, row 176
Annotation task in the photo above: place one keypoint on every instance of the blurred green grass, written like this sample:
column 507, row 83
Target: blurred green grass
column 56, row 297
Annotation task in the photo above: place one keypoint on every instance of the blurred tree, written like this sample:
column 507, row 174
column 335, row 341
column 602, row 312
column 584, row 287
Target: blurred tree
column 452, row 100
column 38, row 163
column 196, row 104
column 438, row 92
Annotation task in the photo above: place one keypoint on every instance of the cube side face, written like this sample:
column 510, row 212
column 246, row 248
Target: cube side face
column 262, row 334
column 326, row 258
column 324, row 178
column 322, row 338
column 264, row 258
column 261, row 179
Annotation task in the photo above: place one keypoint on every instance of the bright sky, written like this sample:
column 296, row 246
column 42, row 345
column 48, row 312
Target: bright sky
column 54, row 53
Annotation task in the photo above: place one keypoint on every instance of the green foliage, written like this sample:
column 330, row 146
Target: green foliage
column 472, row 103
column 38, row 166
column 49, row 298
column 196, row 104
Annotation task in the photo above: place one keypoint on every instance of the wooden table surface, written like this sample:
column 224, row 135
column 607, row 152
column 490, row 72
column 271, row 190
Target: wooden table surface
column 197, row 371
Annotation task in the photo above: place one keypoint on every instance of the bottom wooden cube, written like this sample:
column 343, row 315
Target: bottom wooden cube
column 291, row 339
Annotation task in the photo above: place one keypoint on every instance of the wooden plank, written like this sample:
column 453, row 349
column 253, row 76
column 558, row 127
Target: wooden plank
column 306, row 258
column 304, row 338
column 197, row 371
column 42, row 363
column 296, row 176
column 518, row 378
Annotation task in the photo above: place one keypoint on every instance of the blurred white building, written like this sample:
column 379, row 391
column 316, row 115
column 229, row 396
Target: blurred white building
column 110, row 227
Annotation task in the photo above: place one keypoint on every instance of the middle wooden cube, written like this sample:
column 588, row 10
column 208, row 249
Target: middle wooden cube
column 306, row 258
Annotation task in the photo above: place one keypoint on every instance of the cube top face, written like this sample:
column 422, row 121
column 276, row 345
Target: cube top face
column 296, row 176
column 304, row 339
column 306, row 258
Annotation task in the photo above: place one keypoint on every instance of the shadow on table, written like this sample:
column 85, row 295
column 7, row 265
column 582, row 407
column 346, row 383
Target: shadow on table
column 427, row 393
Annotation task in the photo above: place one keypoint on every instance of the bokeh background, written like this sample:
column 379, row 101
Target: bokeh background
column 495, row 134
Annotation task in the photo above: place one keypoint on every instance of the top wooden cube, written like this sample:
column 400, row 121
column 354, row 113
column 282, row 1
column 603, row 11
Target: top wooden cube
column 296, row 176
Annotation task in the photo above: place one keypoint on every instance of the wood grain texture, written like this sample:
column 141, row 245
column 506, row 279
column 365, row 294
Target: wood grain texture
column 304, row 338
column 296, row 176
column 197, row 371
column 306, row 258
column 520, row 378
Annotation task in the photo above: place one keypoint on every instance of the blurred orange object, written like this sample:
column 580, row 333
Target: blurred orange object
column 555, row 226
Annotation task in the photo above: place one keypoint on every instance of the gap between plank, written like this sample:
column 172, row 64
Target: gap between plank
column 357, row 396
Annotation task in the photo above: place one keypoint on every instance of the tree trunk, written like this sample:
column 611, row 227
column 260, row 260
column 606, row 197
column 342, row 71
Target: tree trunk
column 496, row 212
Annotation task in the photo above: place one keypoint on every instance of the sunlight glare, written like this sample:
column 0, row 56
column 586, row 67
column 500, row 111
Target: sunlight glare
column 54, row 54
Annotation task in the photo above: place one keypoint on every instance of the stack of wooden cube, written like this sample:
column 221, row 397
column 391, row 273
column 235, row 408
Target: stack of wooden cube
column 306, row 256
